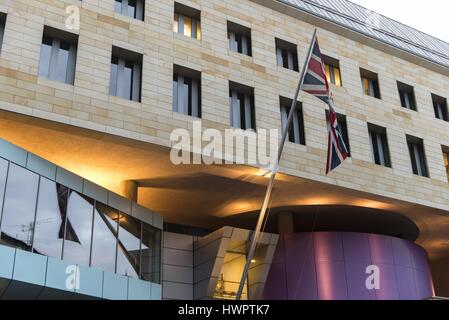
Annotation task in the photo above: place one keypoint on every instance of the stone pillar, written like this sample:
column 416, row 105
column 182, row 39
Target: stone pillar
column 286, row 222
column 129, row 190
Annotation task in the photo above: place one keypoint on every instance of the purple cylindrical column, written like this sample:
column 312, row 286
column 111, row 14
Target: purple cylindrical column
column 337, row 265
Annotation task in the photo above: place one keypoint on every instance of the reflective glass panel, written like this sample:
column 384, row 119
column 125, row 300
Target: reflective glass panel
column 19, row 210
column 62, row 62
column 78, row 231
column 151, row 252
column 3, row 174
column 51, row 208
column 128, row 255
column 104, row 245
column 44, row 62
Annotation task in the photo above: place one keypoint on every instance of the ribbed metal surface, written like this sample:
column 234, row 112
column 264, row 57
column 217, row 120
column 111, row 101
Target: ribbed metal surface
column 360, row 19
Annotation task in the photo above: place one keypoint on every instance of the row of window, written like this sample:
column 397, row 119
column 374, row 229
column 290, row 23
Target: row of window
column 58, row 61
column 47, row 218
column 187, row 21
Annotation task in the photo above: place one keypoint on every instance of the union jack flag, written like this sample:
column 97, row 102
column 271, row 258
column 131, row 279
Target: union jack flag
column 315, row 83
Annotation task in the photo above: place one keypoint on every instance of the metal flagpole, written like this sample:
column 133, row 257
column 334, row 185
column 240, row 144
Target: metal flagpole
column 275, row 169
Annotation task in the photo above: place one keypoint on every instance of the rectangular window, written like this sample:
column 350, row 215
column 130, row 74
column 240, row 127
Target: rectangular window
column 19, row 210
column 407, row 95
column 131, row 8
column 417, row 156
column 341, row 119
column 126, row 74
column 296, row 132
column 332, row 68
column 2, row 27
column 379, row 145
column 440, row 107
column 446, row 160
column 187, row 91
column 187, row 21
column 370, row 83
column 58, row 55
column 287, row 55
column 239, row 38
column 241, row 100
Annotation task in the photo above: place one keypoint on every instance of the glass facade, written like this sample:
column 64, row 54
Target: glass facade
column 44, row 217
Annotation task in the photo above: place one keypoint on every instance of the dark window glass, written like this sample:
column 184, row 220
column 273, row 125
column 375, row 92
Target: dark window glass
column 151, row 252
column 50, row 219
column 2, row 27
column 379, row 144
column 104, row 245
column 296, row 131
column 370, row 83
column 287, row 55
column 239, row 38
column 187, row 95
column 128, row 256
column 130, row 8
column 78, row 229
column 125, row 75
column 440, row 107
column 58, row 56
column 417, row 156
column 17, row 226
column 407, row 95
column 242, row 108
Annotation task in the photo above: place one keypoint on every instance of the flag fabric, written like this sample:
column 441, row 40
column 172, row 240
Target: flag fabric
column 315, row 83
column 337, row 152
column 315, row 80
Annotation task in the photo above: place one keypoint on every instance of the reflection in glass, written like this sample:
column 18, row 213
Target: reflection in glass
column 151, row 252
column 78, row 232
column 49, row 231
column 19, row 209
column 3, row 175
column 62, row 62
column 104, row 245
column 128, row 255
column 44, row 62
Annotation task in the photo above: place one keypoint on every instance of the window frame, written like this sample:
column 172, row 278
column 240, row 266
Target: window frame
column 370, row 84
column 407, row 96
column 440, row 107
column 245, row 111
column 296, row 132
column 194, row 80
column 181, row 14
column 55, row 39
column 287, row 55
column 379, row 141
column 121, row 61
column 417, row 155
column 3, row 18
column 139, row 9
column 332, row 67
column 239, row 38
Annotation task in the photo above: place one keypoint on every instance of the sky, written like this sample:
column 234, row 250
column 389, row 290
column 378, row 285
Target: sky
column 430, row 16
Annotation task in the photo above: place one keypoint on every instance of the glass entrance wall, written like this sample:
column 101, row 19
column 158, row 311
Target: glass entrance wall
column 40, row 215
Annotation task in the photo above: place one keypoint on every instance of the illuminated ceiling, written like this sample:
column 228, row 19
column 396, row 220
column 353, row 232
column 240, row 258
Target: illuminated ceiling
column 199, row 195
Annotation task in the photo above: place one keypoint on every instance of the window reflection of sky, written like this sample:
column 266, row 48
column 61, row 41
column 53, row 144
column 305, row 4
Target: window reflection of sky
column 18, row 222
